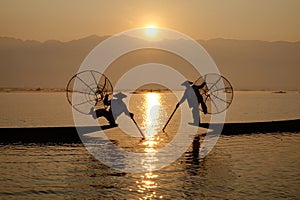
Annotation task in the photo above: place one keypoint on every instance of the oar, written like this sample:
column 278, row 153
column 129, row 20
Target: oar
column 143, row 136
column 177, row 105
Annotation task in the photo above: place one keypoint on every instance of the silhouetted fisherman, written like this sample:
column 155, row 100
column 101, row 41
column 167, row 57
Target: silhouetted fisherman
column 104, row 112
column 197, row 89
column 119, row 107
column 191, row 90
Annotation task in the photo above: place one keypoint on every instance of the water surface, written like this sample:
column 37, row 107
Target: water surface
column 253, row 166
column 240, row 167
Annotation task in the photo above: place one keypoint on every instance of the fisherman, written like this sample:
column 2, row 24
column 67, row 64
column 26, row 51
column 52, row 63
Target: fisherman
column 119, row 106
column 104, row 112
column 197, row 89
column 110, row 114
column 190, row 91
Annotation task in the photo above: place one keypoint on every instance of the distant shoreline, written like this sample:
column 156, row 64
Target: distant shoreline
column 15, row 90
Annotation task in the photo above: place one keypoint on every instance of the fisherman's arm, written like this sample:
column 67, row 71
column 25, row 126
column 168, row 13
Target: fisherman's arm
column 182, row 100
column 129, row 114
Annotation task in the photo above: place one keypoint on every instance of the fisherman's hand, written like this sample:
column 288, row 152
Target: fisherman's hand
column 131, row 115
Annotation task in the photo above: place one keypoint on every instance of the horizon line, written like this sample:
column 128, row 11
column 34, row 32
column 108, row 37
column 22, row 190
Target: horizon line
column 106, row 36
column 53, row 89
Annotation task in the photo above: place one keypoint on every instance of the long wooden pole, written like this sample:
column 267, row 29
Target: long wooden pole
column 170, row 117
column 143, row 136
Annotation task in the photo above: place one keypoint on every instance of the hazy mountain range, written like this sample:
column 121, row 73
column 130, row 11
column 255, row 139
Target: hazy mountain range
column 248, row 64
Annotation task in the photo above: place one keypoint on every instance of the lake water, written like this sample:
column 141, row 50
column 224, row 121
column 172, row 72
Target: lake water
column 252, row 166
column 52, row 109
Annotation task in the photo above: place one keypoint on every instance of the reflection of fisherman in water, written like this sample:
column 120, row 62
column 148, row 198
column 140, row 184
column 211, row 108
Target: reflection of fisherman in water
column 194, row 164
column 188, row 95
column 110, row 113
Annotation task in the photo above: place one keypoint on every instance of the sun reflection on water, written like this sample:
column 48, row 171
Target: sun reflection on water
column 153, row 114
column 152, row 125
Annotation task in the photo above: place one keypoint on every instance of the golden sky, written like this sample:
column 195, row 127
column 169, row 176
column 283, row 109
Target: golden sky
column 65, row 20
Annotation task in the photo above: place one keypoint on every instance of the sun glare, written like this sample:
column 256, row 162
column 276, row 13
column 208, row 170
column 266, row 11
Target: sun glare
column 152, row 118
column 151, row 30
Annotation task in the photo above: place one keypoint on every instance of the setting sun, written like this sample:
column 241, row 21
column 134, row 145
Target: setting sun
column 151, row 30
